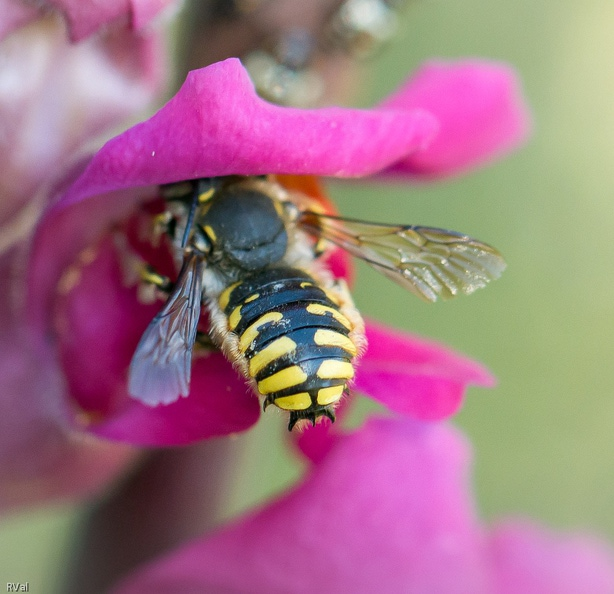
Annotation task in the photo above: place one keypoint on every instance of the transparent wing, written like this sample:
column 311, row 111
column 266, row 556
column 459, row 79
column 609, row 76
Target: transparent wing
column 161, row 365
column 431, row 263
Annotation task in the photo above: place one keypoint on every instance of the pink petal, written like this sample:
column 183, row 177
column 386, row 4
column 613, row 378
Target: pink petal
column 61, row 236
column 15, row 14
column 216, row 125
column 315, row 442
column 416, row 377
column 145, row 11
column 84, row 17
column 386, row 511
column 480, row 109
column 219, row 404
column 408, row 375
column 55, row 96
column 532, row 561
column 96, row 330
column 41, row 456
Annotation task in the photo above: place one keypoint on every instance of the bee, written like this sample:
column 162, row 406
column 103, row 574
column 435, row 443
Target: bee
column 251, row 250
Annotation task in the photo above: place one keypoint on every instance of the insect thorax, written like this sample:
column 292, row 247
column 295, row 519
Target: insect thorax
column 245, row 227
column 296, row 343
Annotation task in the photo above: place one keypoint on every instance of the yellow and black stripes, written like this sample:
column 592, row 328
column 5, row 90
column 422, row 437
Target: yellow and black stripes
column 295, row 339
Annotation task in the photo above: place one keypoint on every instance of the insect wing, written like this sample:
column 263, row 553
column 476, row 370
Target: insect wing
column 161, row 366
column 431, row 263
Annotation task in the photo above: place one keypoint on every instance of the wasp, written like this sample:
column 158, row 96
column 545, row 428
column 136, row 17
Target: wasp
column 251, row 250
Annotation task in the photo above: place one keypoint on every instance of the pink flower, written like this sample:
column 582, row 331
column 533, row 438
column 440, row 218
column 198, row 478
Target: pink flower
column 55, row 96
column 86, row 320
column 387, row 510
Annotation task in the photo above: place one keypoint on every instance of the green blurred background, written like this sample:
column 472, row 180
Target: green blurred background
column 543, row 438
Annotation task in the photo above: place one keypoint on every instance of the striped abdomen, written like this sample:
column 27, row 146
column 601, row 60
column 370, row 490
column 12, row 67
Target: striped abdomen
column 294, row 338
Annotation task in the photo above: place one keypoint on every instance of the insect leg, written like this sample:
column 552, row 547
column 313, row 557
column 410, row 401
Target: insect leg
column 151, row 276
column 164, row 224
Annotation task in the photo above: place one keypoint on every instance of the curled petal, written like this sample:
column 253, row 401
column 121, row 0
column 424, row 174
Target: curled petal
column 416, row 377
column 216, row 125
column 480, row 110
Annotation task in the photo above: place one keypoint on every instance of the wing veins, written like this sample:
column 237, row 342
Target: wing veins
column 161, row 366
column 428, row 261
